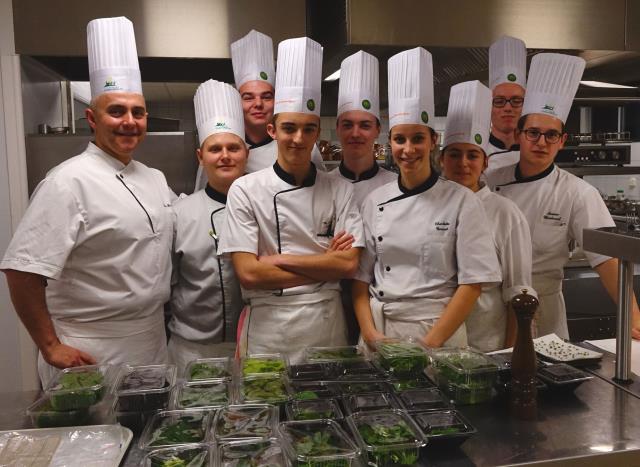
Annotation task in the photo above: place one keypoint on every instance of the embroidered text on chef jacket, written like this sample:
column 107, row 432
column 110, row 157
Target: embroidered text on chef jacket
column 366, row 182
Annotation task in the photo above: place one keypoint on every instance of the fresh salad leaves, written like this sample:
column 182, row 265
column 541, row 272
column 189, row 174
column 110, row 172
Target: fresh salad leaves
column 205, row 370
column 184, row 429
column 257, row 365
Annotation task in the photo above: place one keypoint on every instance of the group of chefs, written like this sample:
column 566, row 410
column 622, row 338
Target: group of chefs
column 258, row 258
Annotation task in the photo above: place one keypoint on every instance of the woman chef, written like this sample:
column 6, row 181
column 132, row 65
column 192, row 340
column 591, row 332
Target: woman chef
column 464, row 157
column 205, row 295
column 426, row 254
column 557, row 205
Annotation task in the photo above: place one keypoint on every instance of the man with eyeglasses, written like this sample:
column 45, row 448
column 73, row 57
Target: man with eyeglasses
column 507, row 80
column 557, row 205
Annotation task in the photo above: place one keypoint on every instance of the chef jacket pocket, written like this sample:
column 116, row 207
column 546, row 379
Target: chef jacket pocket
column 549, row 238
column 438, row 255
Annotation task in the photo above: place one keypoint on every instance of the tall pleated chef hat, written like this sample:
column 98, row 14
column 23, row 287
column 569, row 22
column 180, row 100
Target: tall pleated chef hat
column 508, row 62
column 113, row 57
column 252, row 59
column 469, row 115
column 218, row 110
column 410, row 87
column 358, row 89
column 298, row 77
column 553, row 83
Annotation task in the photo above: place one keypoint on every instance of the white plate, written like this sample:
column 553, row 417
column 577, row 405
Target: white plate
column 556, row 349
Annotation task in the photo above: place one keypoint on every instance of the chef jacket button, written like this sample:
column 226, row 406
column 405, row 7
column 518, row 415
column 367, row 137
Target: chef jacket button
column 380, row 238
column 387, row 268
column 381, row 294
column 497, row 188
column 380, row 209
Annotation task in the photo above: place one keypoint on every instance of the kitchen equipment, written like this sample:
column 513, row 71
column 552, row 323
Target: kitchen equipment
column 523, row 361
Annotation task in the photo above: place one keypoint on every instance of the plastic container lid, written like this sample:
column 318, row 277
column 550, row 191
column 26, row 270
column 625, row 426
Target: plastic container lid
column 401, row 356
column 44, row 415
column 79, row 387
column 356, row 387
column 312, row 371
column 562, row 373
column 264, row 388
column 146, row 379
column 208, row 394
column 464, row 366
column 241, row 422
column 403, row 384
column 314, row 410
column 188, row 456
column 258, row 453
column 264, row 364
column 170, row 428
column 359, row 369
column 204, row 369
column 332, row 354
column 443, row 424
column 317, row 443
column 370, row 401
column 423, row 399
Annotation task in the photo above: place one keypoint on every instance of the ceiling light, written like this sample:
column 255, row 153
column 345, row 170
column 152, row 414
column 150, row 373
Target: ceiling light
column 601, row 84
column 333, row 76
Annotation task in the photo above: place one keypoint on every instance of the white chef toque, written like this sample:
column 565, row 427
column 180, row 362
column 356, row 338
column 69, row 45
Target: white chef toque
column 508, row 62
column 553, row 83
column 218, row 110
column 113, row 57
column 469, row 115
column 298, row 77
column 410, row 87
column 252, row 59
column 358, row 89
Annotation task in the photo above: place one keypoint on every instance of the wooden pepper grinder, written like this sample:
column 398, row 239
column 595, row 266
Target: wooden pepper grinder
column 523, row 362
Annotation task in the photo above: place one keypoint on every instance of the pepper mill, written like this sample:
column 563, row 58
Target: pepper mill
column 523, row 362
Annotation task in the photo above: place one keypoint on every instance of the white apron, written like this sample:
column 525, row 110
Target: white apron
column 182, row 351
column 289, row 324
column 487, row 323
column 551, row 316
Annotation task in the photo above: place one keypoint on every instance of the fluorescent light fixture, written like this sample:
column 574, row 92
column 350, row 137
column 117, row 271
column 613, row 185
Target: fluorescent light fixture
column 601, row 84
column 333, row 76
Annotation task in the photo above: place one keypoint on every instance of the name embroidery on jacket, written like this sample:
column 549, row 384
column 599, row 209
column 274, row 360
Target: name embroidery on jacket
column 442, row 226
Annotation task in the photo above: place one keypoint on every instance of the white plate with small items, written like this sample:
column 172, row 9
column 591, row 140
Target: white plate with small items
column 554, row 348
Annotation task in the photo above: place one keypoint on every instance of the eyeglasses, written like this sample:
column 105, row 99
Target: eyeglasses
column 502, row 101
column 550, row 136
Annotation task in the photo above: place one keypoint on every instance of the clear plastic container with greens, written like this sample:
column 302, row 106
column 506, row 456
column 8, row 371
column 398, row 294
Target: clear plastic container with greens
column 360, row 369
column 205, row 394
column 309, row 390
column 317, row 443
column 79, row 387
column 401, row 357
column 403, row 384
column 312, row 371
column 256, row 364
column 423, row 399
column 185, row 456
column 333, row 354
column 444, row 427
column 242, row 422
column 169, row 428
column 204, row 369
column 356, row 387
column 263, row 389
column 44, row 415
column 314, row 410
column 256, row 453
column 145, row 388
column 370, row 401
column 389, row 437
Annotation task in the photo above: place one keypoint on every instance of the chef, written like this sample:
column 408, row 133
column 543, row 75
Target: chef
column 508, row 80
column 254, row 75
column 491, row 325
column 90, row 263
column 281, row 222
column 428, row 245
column 205, row 293
column 557, row 205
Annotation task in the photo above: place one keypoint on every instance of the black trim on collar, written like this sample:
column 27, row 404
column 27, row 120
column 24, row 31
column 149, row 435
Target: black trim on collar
column 253, row 145
column 366, row 175
column 309, row 180
column 406, row 193
column 520, row 179
column 500, row 145
column 215, row 194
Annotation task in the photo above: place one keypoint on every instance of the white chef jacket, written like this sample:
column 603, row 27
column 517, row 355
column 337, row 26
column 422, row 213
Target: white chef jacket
column 205, row 293
column 102, row 231
column 422, row 243
column 486, row 325
column 368, row 181
column 499, row 155
column 558, row 206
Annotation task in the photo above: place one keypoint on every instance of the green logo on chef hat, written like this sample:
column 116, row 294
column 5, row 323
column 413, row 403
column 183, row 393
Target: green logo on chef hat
column 424, row 116
column 511, row 77
column 478, row 138
column 366, row 104
column 263, row 75
column 550, row 109
column 311, row 105
column 109, row 82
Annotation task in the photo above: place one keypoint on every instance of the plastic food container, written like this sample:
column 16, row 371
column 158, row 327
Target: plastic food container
column 314, row 410
column 263, row 389
column 262, row 453
column 145, row 388
column 307, row 390
column 333, row 354
column 204, row 369
column 423, row 399
column 190, row 456
column 264, row 363
column 208, row 394
column 317, row 443
column 401, row 357
column 403, row 384
column 312, row 371
column 465, row 375
column 135, row 421
column 389, row 437
column 444, row 427
column 562, row 376
column 79, row 387
column 360, row 369
column 370, row 401
column 169, row 428
column 43, row 415
column 242, row 422
column 357, row 387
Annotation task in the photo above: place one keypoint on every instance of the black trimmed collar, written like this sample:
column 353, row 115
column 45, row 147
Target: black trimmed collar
column 424, row 186
column 366, row 175
column 309, row 180
column 215, row 194
column 253, row 145
column 500, row 145
column 520, row 179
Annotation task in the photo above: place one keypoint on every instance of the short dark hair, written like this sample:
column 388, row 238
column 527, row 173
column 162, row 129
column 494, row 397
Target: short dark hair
column 522, row 120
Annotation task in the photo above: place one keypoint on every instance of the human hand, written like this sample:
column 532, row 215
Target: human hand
column 341, row 241
column 635, row 326
column 371, row 336
column 63, row 356
column 430, row 341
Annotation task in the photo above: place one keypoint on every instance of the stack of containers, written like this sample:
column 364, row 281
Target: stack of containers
column 262, row 378
column 206, row 384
